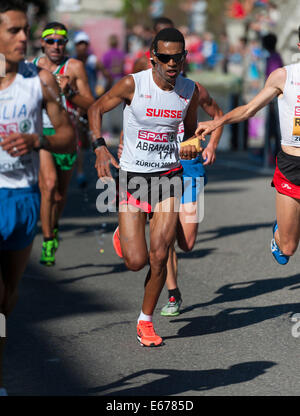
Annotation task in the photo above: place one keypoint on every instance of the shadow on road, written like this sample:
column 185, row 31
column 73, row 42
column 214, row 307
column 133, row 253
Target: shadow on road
column 231, row 318
column 232, row 230
column 250, row 289
column 114, row 268
column 39, row 357
column 175, row 382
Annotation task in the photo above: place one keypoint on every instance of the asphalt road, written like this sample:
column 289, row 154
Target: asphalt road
column 73, row 331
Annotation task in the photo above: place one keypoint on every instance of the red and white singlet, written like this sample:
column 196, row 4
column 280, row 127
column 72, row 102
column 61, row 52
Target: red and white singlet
column 151, row 124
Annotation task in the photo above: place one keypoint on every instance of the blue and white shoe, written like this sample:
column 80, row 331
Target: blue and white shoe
column 277, row 253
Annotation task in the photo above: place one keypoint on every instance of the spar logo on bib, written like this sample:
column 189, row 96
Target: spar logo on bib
column 25, row 126
column 153, row 136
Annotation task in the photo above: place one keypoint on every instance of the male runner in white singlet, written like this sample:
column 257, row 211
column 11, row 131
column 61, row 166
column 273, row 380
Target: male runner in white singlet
column 23, row 91
column 193, row 170
column 283, row 83
column 157, row 100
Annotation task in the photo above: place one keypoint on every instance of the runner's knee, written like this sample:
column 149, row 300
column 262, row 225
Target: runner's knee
column 159, row 256
column 48, row 185
column 135, row 262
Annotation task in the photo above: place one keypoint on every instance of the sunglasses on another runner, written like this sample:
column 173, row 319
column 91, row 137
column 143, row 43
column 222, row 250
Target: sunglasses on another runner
column 60, row 42
column 165, row 58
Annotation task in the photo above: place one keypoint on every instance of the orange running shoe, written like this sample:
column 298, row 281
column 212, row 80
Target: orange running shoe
column 117, row 243
column 147, row 336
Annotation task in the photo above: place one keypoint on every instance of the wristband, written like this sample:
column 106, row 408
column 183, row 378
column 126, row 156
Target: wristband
column 43, row 142
column 98, row 143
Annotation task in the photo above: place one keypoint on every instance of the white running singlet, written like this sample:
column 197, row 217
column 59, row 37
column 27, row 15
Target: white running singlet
column 151, row 124
column 21, row 111
column 289, row 107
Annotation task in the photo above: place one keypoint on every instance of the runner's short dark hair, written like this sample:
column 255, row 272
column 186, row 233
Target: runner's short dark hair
column 17, row 5
column 169, row 34
column 162, row 21
column 55, row 25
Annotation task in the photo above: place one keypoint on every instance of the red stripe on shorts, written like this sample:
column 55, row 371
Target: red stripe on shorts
column 130, row 200
column 284, row 186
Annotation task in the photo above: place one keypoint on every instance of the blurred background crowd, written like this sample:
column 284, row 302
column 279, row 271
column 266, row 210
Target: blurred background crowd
column 232, row 47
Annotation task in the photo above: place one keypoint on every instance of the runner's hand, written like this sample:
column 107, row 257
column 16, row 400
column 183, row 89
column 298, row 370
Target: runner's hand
column 103, row 159
column 18, row 144
column 190, row 148
column 63, row 83
column 209, row 155
column 205, row 128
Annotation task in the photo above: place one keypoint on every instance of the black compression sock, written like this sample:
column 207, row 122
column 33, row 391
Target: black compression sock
column 48, row 239
column 176, row 293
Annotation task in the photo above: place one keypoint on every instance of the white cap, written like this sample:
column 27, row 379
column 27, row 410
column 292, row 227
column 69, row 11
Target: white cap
column 81, row 37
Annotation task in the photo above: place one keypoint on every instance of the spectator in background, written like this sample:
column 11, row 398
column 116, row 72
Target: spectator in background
column 92, row 64
column 114, row 61
column 194, row 43
column 209, row 50
column 273, row 61
column 224, row 50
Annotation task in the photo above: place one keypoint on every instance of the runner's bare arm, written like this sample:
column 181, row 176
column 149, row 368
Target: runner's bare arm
column 121, row 91
column 190, row 124
column 63, row 141
column 213, row 110
column 273, row 88
column 83, row 97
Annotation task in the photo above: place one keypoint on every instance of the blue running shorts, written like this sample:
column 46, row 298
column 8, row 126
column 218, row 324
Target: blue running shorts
column 192, row 169
column 19, row 214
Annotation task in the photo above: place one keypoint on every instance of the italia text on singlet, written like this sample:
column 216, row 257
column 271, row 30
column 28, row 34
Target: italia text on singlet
column 20, row 111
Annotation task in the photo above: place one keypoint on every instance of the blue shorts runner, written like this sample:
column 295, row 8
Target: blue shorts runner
column 19, row 214
column 192, row 169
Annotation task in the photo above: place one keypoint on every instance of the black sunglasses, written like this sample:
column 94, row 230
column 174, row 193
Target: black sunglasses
column 165, row 58
column 60, row 42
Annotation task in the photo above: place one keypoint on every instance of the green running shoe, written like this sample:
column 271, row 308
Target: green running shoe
column 172, row 308
column 48, row 253
column 56, row 238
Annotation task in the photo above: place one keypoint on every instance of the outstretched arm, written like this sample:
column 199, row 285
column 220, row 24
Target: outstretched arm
column 273, row 87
